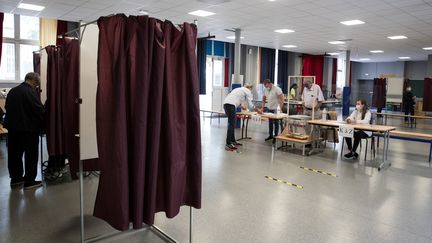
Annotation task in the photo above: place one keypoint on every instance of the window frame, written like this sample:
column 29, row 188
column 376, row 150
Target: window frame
column 17, row 42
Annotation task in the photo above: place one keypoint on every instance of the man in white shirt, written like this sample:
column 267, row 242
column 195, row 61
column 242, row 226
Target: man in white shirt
column 312, row 98
column 237, row 97
column 273, row 97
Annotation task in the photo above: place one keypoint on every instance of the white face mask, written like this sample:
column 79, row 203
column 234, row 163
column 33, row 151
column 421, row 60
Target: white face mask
column 358, row 107
column 409, row 89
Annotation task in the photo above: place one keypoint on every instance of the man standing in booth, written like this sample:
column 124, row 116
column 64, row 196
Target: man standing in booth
column 273, row 97
column 24, row 117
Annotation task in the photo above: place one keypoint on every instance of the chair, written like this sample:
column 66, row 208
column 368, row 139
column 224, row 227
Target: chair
column 372, row 137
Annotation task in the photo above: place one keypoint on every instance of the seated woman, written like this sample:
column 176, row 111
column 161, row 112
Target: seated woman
column 361, row 115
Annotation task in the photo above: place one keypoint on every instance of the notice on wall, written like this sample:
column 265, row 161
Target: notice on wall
column 88, row 88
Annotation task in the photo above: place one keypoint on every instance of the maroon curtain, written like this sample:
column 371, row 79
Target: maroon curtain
column 1, row 34
column 227, row 72
column 70, row 108
column 147, row 117
column 53, row 105
column 61, row 29
column 427, row 95
column 379, row 93
column 36, row 62
column 334, row 76
column 313, row 65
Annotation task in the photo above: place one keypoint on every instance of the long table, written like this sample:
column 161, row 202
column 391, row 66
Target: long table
column 414, row 117
column 246, row 115
column 384, row 130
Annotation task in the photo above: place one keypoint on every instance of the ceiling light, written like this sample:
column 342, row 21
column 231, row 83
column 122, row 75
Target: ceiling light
column 336, row 42
column 427, row 48
column 404, row 58
column 333, row 53
column 364, row 59
column 397, row 37
column 31, row 7
column 289, row 46
column 233, row 37
column 143, row 12
column 284, row 31
column 376, row 51
column 201, row 13
column 352, row 22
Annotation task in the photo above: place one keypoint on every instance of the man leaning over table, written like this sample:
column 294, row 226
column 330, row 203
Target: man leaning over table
column 273, row 97
column 237, row 97
column 312, row 98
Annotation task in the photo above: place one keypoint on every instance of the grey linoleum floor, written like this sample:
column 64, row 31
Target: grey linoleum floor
column 241, row 205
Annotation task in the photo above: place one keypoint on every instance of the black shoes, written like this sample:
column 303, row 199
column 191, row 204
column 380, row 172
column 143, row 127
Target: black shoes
column 33, row 184
column 230, row 147
column 16, row 182
column 351, row 155
column 269, row 138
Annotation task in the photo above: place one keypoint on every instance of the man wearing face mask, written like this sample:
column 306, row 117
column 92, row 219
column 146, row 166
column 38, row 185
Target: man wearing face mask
column 409, row 102
column 273, row 97
column 312, row 98
column 24, row 117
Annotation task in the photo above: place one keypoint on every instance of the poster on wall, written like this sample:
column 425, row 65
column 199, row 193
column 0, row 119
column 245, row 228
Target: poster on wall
column 88, row 88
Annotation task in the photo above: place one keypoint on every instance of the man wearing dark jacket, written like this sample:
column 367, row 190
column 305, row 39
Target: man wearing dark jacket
column 24, row 117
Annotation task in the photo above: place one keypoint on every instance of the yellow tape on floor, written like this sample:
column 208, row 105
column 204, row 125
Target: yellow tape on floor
column 284, row 182
column 318, row 171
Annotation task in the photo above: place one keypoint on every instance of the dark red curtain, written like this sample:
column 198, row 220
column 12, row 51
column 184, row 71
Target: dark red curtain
column 61, row 29
column 53, row 105
column 379, row 93
column 1, row 34
column 148, row 123
column 36, row 62
column 227, row 72
column 313, row 65
column 70, row 108
column 334, row 76
column 427, row 95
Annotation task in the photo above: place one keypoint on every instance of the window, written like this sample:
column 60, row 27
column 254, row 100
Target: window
column 20, row 39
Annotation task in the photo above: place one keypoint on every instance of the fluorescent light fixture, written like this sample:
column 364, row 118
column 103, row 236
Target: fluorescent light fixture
column 201, row 13
column 30, row 7
column 284, row 31
column 336, row 42
column 352, row 22
column 233, row 37
column 143, row 12
column 397, row 37
column 364, row 59
column 376, row 51
column 427, row 48
column 333, row 53
column 289, row 46
column 404, row 58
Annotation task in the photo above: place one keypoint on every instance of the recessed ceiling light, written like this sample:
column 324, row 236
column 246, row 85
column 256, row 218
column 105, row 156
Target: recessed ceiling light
column 397, row 37
column 289, row 46
column 284, row 31
column 364, row 59
column 336, row 42
column 333, row 53
column 30, row 7
column 376, row 51
column 233, row 37
column 352, row 22
column 427, row 48
column 404, row 58
column 143, row 12
column 201, row 13
column 272, row 0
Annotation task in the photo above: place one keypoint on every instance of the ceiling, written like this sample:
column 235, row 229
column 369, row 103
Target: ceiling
column 316, row 22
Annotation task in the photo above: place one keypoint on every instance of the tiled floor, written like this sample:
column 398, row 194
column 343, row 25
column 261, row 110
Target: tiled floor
column 241, row 205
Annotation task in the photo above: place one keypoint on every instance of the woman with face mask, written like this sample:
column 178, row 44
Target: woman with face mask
column 408, row 103
column 361, row 115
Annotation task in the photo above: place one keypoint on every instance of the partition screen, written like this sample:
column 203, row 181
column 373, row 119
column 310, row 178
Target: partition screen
column 88, row 87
